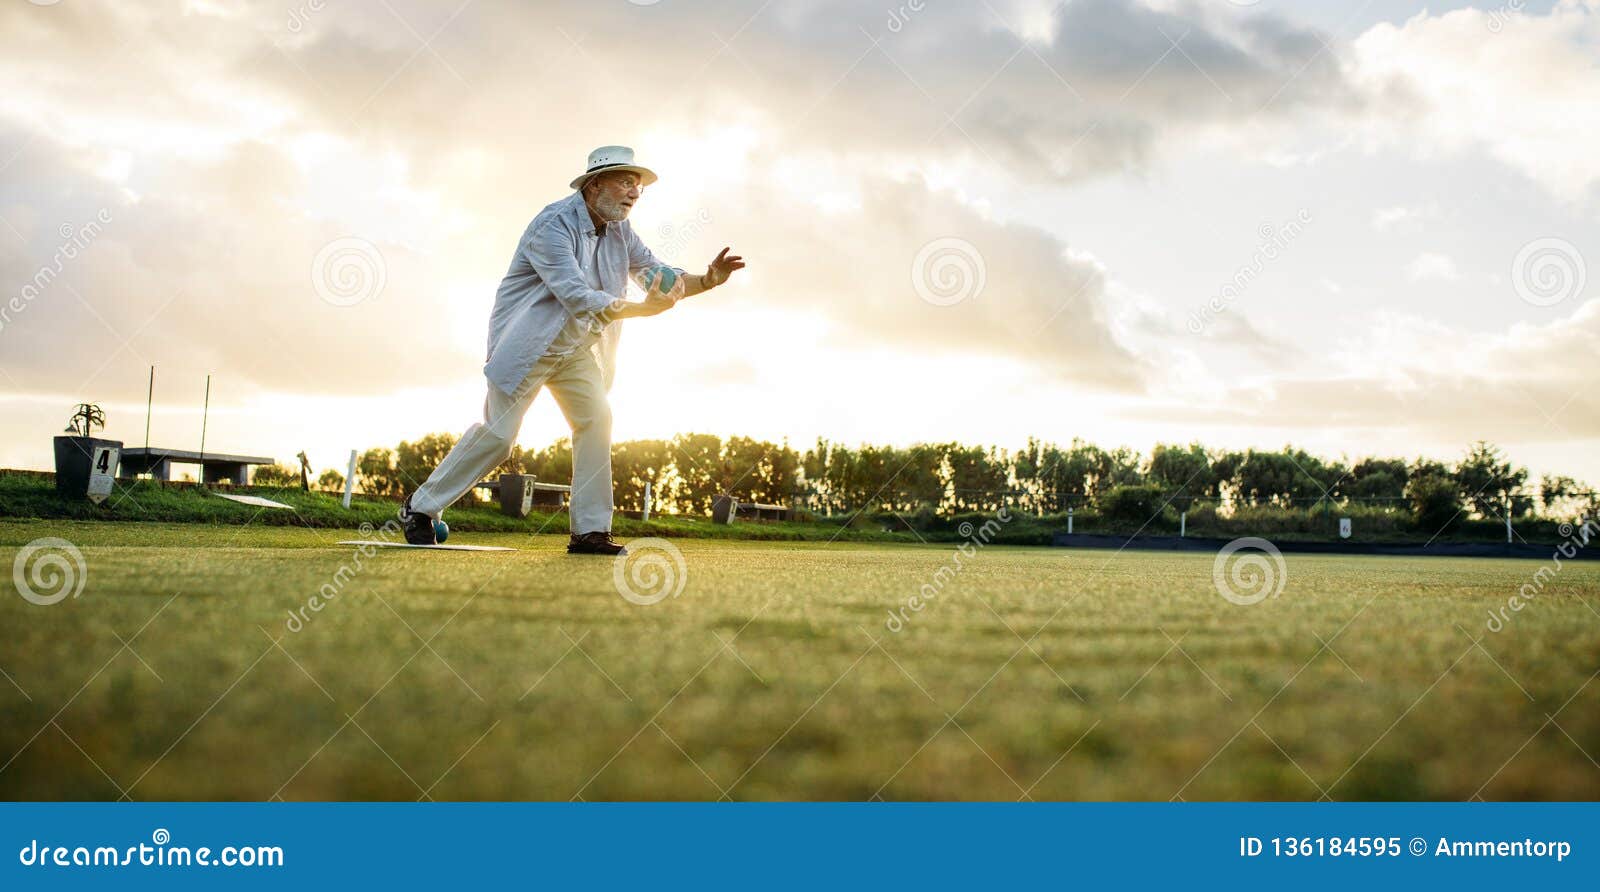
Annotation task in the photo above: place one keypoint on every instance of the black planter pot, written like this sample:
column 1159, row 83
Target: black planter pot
column 74, row 456
column 515, row 494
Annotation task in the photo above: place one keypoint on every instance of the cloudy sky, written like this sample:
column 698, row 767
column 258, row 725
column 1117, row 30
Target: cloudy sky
column 1360, row 228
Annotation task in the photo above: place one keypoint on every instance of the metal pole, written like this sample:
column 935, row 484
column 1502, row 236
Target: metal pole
column 1183, row 525
column 149, row 401
column 1508, row 520
column 350, row 478
column 645, row 514
column 1069, row 520
column 204, row 414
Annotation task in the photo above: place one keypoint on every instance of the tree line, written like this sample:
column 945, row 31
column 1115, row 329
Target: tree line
column 687, row 472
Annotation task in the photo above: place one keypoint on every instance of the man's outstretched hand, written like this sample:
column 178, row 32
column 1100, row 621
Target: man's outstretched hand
column 721, row 268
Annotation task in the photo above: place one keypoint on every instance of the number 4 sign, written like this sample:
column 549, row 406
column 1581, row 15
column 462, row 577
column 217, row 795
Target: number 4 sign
column 103, row 472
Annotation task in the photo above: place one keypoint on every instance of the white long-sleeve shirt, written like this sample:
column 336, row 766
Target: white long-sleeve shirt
column 562, row 271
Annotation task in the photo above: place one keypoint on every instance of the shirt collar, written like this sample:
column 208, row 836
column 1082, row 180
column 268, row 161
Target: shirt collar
column 586, row 223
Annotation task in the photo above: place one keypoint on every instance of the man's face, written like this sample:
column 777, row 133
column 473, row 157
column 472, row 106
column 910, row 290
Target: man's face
column 612, row 195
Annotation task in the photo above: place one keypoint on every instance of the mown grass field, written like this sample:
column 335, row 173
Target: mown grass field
column 1045, row 673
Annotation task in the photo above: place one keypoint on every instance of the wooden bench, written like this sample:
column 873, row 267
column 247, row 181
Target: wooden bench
column 520, row 493
column 214, row 467
column 726, row 508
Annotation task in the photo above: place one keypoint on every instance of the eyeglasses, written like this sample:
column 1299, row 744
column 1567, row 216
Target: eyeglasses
column 623, row 183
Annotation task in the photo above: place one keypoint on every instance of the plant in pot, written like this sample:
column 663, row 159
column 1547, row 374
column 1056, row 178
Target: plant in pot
column 77, row 454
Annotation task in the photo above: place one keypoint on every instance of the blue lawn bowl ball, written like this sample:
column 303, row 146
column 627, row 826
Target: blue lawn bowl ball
column 660, row 278
column 441, row 530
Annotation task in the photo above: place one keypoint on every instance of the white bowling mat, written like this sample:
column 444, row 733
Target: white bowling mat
column 257, row 501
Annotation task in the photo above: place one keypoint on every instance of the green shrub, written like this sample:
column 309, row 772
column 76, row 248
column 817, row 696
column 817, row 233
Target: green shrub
column 1134, row 504
column 275, row 475
column 1435, row 503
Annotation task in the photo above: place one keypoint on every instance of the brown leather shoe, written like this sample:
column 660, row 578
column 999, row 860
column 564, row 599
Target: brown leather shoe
column 595, row 543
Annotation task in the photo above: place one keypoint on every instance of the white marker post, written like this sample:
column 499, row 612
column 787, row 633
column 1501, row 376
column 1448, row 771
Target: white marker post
column 1183, row 525
column 645, row 514
column 1069, row 521
column 350, row 479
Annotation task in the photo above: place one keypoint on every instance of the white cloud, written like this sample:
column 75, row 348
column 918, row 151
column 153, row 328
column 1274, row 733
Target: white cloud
column 1408, row 384
column 1522, row 87
column 1431, row 267
column 1385, row 219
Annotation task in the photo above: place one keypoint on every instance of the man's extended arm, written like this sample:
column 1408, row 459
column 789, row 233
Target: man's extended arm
column 717, row 272
column 655, row 302
column 720, row 268
column 693, row 284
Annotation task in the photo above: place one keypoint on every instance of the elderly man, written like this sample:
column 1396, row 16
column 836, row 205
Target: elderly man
column 556, row 320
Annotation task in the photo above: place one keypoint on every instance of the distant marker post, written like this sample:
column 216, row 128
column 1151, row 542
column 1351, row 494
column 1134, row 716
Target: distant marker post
column 350, row 479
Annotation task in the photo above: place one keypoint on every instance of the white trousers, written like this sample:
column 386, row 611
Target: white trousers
column 577, row 384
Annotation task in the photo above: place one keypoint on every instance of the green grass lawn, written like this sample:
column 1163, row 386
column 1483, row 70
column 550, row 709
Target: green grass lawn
column 1049, row 673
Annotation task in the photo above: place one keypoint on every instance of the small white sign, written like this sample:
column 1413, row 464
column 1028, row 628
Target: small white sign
column 1344, row 528
column 103, row 473
column 527, row 495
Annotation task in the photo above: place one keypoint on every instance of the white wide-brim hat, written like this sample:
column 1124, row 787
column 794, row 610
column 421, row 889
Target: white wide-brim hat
column 613, row 158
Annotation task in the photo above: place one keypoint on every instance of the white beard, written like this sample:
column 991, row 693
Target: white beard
column 610, row 210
